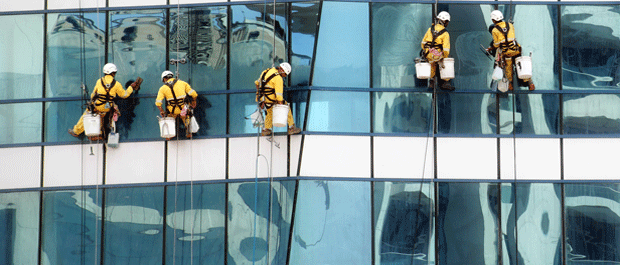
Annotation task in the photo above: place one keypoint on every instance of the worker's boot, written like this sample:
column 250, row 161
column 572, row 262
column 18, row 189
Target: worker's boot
column 294, row 130
column 510, row 88
column 431, row 83
column 531, row 85
column 73, row 134
column 266, row 132
column 447, row 86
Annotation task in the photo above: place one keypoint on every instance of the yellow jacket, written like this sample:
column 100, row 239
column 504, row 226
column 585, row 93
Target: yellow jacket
column 443, row 39
column 276, row 83
column 181, row 90
column 99, row 93
column 498, row 36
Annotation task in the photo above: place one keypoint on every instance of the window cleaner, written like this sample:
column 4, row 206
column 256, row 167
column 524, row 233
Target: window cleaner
column 436, row 49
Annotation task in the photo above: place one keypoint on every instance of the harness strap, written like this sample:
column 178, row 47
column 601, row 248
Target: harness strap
column 433, row 43
column 264, row 91
column 174, row 102
column 506, row 44
column 107, row 97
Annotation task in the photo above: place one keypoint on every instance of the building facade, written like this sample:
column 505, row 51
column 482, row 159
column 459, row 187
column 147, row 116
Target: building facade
column 385, row 171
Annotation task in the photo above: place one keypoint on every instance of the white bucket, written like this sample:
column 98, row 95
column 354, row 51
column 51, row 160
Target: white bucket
column 167, row 127
column 447, row 71
column 92, row 124
column 524, row 67
column 280, row 115
column 423, row 70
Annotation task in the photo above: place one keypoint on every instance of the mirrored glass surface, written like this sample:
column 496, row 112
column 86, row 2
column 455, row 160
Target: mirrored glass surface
column 465, row 113
column 259, row 222
column 590, row 46
column 258, row 41
column 61, row 116
column 467, row 223
column 133, row 229
column 210, row 112
column 137, row 46
column 591, row 114
column 342, row 52
column 199, row 35
column 20, row 123
column 195, row 228
column 71, row 227
column 19, row 216
column 591, row 220
column 404, row 223
column 332, row 223
column 397, row 32
column 21, row 54
column 303, row 28
column 534, row 114
column 75, row 53
column 337, row 111
column 531, row 227
column 396, row 112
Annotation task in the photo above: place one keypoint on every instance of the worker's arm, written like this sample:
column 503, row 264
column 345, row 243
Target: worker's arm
column 192, row 93
column 445, row 44
column 278, row 84
column 159, row 102
column 122, row 93
column 427, row 37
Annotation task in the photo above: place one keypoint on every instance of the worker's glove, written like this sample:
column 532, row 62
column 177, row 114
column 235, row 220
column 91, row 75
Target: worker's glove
column 136, row 84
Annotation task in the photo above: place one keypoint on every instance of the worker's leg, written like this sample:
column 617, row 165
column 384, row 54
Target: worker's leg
column 269, row 118
column 79, row 127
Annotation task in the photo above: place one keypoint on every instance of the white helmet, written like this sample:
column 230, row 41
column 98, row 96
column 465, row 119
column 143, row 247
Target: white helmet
column 497, row 15
column 286, row 67
column 166, row 74
column 109, row 68
column 443, row 15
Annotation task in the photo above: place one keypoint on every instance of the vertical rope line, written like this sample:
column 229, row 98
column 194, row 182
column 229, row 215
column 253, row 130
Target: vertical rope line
column 97, row 161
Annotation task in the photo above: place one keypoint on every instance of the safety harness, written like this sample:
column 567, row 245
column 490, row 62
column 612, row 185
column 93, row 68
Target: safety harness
column 175, row 103
column 433, row 43
column 507, row 45
column 264, row 91
column 104, row 98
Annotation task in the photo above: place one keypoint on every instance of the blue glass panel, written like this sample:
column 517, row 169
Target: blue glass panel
column 397, row 32
column 21, row 54
column 138, row 118
column 61, row 116
column 259, row 222
column 202, row 42
column 402, row 112
column 303, row 34
column 242, row 105
column 20, row 123
column 591, row 218
column 590, row 47
column 337, row 111
column 19, row 231
column 404, row 223
column 195, row 224
column 332, row 223
column 71, row 227
column 210, row 113
column 537, row 227
column 253, row 41
column 467, row 223
column 591, row 114
column 133, row 229
column 75, row 52
column 137, row 45
column 535, row 114
column 464, row 113
column 342, row 58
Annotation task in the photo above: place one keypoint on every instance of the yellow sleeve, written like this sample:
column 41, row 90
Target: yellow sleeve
column 445, row 41
column 497, row 37
column 118, row 89
column 160, row 96
column 190, row 91
column 427, row 38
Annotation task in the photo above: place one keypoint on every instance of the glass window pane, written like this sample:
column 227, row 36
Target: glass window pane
column 404, row 223
column 19, row 217
column 465, row 113
column 332, row 223
column 592, row 232
column 61, row 116
column 203, row 43
column 591, row 114
column 535, row 113
column 20, row 123
column 590, row 46
column 304, row 18
column 21, row 54
column 133, row 225
column 342, row 58
column 539, row 223
column 337, row 111
column 71, row 227
column 253, row 41
column 195, row 224
column 137, row 45
column 75, row 52
column 258, row 233
column 397, row 32
column 467, row 223
column 210, row 113
column 402, row 112
column 244, row 104
column 138, row 118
